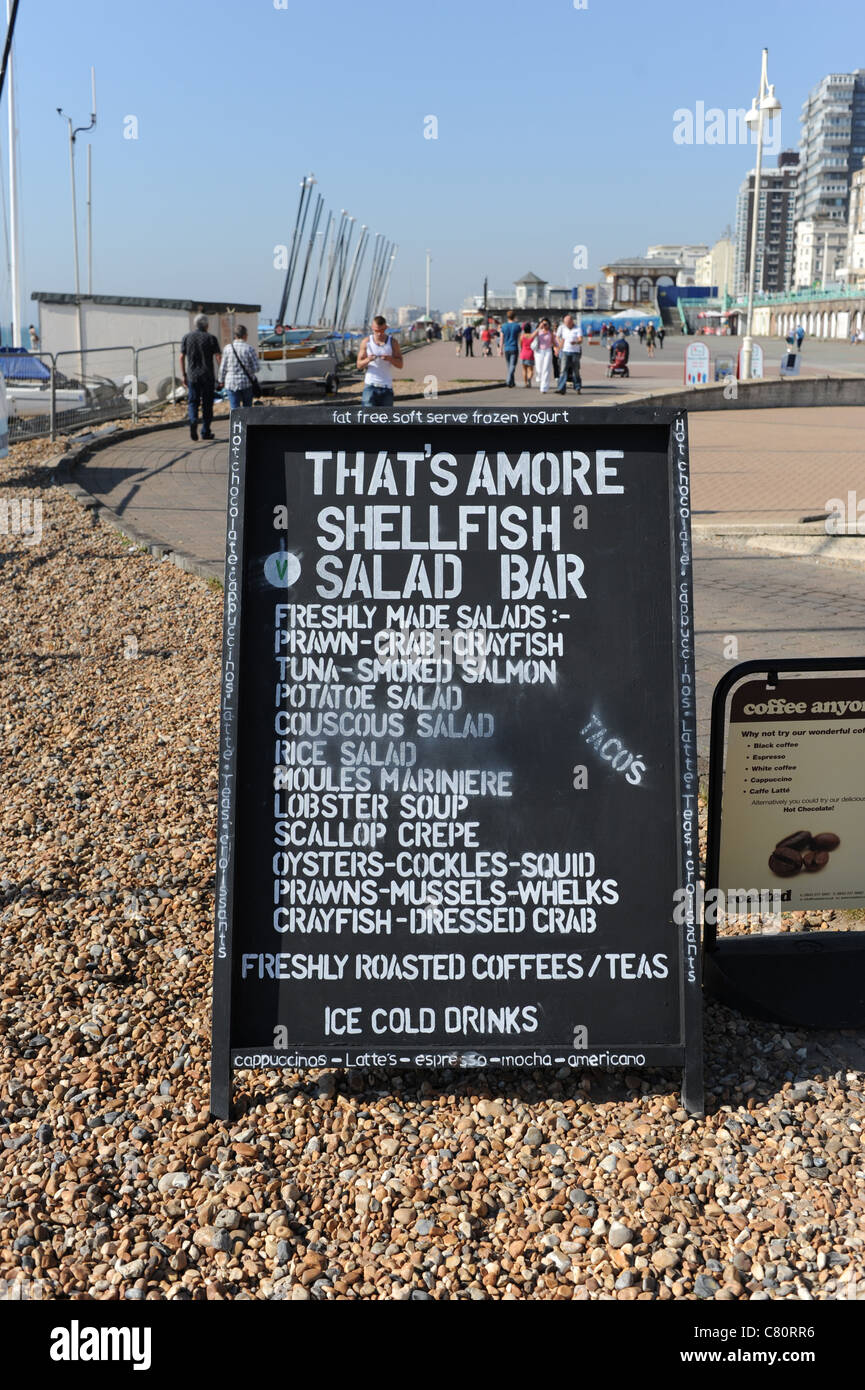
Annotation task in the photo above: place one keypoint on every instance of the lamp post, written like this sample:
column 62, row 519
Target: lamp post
column 766, row 104
column 73, row 132
column 386, row 286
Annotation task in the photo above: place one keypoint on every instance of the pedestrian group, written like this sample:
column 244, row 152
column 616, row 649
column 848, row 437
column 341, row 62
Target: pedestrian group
column 204, row 368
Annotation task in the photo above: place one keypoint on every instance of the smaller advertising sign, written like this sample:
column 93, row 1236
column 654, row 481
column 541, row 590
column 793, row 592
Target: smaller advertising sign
column 697, row 364
column 793, row 818
column 756, row 362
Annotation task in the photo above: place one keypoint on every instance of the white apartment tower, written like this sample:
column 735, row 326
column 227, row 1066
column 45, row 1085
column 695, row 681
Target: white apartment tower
column 776, row 222
column 832, row 145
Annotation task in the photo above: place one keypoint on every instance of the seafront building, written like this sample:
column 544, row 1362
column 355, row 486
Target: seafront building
column 821, row 247
column 832, row 145
column 854, row 256
column 717, row 267
column 776, row 227
column 684, row 254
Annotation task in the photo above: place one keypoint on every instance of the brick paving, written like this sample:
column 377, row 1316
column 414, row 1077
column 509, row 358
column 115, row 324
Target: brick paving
column 168, row 487
column 772, row 607
column 662, row 372
column 775, row 465
column 771, row 465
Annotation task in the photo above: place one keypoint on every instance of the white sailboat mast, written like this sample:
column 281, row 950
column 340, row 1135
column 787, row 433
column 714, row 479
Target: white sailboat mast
column 14, row 254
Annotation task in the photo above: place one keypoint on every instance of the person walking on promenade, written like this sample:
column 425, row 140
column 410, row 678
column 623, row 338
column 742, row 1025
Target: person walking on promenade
column 641, row 333
column 571, row 351
column 800, row 335
column 486, row 339
column 379, row 354
column 458, row 338
column 650, row 339
column 238, row 369
column 497, row 334
column 511, row 341
column 527, row 357
column 662, row 333
column 199, row 356
column 469, row 336
column 542, row 346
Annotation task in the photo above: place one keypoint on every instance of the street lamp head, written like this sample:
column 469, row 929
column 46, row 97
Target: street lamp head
column 770, row 102
column 753, row 115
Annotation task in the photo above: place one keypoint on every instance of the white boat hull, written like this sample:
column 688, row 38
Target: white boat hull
column 25, row 401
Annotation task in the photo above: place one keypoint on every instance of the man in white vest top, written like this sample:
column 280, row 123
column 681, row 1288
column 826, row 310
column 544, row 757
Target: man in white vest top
column 570, row 353
column 379, row 354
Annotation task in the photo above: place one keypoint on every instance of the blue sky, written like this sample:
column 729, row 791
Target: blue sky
column 555, row 129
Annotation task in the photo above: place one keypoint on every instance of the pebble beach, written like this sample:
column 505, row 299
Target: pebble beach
column 115, row 1184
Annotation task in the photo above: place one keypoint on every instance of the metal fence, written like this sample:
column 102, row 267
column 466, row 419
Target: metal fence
column 157, row 379
column 802, row 296
column 60, row 393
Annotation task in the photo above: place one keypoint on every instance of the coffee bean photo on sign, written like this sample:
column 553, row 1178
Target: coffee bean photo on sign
column 785, row 862
column 802, row 850
column 800, row 839
column 814, row 859
column 826, row 840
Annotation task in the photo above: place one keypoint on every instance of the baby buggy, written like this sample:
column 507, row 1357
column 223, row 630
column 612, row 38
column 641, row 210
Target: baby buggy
column 618, row 363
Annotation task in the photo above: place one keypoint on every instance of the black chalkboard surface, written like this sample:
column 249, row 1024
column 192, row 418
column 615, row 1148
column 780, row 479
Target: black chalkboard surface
column 458, row 782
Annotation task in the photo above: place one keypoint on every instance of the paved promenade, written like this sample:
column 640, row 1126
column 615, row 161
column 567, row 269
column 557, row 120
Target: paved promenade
column 662, row 372
column 762, row 466
column 768, row 464
column 772, row 607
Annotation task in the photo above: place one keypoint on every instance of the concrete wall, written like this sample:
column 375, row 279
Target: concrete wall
column 762, row 395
